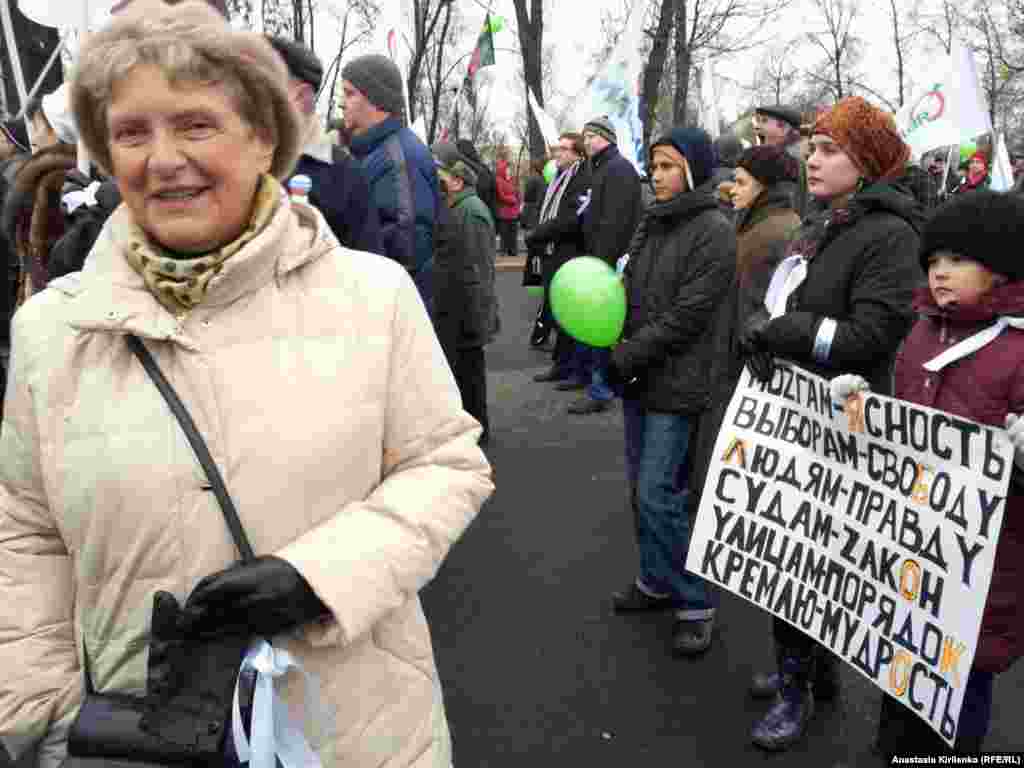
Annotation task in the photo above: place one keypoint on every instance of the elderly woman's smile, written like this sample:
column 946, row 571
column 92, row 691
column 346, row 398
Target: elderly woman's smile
column 186, row 161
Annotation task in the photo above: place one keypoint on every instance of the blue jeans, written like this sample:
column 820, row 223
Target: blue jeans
column 657, row 447
column 591, row 366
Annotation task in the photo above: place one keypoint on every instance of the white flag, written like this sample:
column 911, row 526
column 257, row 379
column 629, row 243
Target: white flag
column 710, row 115
column 616, row 91
column 950, row 111
column 548, row 129
column 1002, row 168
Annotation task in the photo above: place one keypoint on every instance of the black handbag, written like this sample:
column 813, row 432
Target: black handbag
column 123, row 731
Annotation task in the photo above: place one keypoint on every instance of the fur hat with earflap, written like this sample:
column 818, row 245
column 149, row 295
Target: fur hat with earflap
column 978, row 226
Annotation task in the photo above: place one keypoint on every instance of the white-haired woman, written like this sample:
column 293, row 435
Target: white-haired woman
column 311, row 371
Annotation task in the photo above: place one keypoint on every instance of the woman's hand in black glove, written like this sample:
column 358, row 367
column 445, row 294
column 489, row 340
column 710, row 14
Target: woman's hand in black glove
column 750, row 332
column 263, row 597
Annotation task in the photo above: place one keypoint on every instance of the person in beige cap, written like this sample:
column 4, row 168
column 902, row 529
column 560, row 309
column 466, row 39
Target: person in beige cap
column 315, row 378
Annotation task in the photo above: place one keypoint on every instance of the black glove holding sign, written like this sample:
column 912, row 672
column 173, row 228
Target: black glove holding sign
column 195, row 652
column 760, row 361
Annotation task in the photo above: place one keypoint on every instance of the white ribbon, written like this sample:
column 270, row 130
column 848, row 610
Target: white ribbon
column 973, row 343
column 76, row 199
column 273, row 733
column 788, row 276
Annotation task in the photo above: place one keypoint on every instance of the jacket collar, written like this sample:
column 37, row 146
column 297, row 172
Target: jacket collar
column 772, row 199
column 110, row 296
column 1003, row 301
column 604, row 156
column 365, row 143
column 462, row 196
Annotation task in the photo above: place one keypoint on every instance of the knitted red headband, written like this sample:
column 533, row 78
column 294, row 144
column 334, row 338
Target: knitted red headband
column 868, row 135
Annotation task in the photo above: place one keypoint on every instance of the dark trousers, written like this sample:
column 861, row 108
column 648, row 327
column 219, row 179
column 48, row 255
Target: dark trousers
column 508, row 230
column 470, row 371
column 901, row 732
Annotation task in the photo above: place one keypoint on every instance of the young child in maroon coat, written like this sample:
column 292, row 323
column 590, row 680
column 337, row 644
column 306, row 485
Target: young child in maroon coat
column 974, row 280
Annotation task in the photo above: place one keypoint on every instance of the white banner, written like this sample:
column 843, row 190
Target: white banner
column 616, row 91
column 548, row 129
column 1002, row 168
column 949, row 111
column 872, row 527
column 710, row 113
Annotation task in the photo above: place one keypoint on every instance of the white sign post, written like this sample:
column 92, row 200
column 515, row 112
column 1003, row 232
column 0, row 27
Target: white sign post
column 872, row 527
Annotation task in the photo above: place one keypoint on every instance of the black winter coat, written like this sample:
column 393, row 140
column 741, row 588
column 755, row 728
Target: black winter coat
column 564, row 232
column 681, row 265
column 615, row 207
column 863, row 276
column 533, row 196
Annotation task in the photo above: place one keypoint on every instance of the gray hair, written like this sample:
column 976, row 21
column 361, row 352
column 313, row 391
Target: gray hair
column 191, row 43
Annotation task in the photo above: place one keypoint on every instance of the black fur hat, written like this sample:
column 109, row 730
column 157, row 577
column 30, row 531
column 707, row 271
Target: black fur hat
column 981, row 225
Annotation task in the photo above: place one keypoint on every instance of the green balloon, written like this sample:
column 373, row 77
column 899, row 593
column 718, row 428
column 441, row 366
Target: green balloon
column 589, row 301
column 497, row 24
column 550, row 170
column 966, row 150
column 535, row 290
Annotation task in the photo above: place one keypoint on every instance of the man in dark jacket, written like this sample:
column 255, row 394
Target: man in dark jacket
column 681, row 265
column 779, row 126
column 403, row 180
column 486, row 184
column 471, row 284
column 559, row 238
column 340, row 188
column 610, row 217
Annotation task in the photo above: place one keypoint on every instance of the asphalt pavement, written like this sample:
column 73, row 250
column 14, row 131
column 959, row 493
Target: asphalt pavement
column 538, row 672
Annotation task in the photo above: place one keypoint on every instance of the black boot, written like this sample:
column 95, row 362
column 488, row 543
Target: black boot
column 825, row 683
column 786, row 721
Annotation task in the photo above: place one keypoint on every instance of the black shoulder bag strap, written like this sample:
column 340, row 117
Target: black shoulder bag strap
column 198, row 445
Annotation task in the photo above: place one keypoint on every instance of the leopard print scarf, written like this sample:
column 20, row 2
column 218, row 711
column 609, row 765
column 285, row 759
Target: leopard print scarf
column 181, row 284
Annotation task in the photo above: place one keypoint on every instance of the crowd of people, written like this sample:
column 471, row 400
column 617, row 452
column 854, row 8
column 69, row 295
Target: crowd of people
column 213, row 217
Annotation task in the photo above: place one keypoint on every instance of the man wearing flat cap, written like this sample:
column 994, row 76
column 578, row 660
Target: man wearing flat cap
column 779, row 126
column 466, row 310
column 341, row 189
column 401, row 169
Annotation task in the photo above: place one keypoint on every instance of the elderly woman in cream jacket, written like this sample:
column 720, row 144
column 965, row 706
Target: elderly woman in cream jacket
column 312, row 372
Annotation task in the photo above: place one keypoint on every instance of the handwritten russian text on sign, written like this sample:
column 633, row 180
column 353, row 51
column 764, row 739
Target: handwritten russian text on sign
column 871, row 526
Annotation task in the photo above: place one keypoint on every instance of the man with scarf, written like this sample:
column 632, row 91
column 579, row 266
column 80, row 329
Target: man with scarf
column 559, row 236
column 680, row 266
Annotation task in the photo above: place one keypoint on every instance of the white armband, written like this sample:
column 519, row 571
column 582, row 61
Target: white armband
column 823, row 340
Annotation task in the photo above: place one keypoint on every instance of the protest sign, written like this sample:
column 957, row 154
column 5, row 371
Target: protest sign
column 871, row 526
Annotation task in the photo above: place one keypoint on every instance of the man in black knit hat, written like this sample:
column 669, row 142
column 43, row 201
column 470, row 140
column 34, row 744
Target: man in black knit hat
column 403, row 179
column 341, row 189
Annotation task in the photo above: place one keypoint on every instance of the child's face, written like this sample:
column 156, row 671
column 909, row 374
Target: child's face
column 956, row 280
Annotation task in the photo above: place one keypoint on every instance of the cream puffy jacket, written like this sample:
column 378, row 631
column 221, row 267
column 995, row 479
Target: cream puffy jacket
column 315, row 377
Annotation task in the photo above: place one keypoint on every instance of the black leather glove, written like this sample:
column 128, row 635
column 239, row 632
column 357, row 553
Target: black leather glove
column 761, row 365
column 748, row 336
column 190, row 683
column 790, row 335
column 263, row 597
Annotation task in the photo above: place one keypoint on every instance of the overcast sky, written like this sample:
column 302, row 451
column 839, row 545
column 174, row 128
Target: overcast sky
column 574, row 28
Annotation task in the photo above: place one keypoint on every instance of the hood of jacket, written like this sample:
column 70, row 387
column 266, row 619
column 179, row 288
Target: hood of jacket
column 661, row 217
column 891, row 197
column 113, row 296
